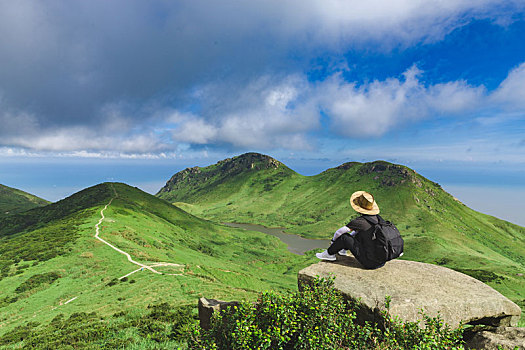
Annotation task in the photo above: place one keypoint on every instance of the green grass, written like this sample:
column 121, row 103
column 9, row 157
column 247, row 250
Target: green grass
column 13, row 201
column 218, row 261
column 58, row 282
column 436, row 227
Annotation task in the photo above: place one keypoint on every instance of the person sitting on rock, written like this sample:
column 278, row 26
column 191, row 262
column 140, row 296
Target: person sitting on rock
column 357, row 235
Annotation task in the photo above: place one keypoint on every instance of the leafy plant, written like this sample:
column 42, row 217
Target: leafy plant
column 317, row 317
column 37, row 280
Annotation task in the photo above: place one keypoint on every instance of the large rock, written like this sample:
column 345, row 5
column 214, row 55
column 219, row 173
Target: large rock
column 413, row 286
column 207, row 307
column 508, row 338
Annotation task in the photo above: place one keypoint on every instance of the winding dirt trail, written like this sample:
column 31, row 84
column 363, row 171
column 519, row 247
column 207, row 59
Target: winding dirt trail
column 142, row 266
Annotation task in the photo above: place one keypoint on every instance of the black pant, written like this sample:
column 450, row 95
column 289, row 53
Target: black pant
column 345, row 241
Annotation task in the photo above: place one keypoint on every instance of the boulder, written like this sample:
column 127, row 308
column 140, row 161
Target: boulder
column 208, row 306
column 508, row 338
column 414, row 286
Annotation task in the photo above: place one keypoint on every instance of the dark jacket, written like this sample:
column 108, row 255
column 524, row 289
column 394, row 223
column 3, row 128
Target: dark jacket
column 364, row 231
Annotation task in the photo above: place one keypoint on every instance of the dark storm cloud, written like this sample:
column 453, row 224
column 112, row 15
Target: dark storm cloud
column 66, row 62
column 71, row 71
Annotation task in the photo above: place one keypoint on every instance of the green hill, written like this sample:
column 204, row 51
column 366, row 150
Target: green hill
column 438, row 229
column 60, row 285
column 14, row 201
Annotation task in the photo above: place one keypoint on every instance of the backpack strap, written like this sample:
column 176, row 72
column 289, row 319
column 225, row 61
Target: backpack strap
column 373, row 220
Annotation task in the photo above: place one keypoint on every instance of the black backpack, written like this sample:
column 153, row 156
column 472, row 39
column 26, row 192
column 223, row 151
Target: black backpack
column 387, row 239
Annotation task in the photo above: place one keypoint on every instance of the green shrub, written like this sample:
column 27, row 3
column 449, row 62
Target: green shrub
column 112, row 282
column 203, row 248
column 18, row 334
column 316, row 318
column 482, row 275
column 161, row 327
column 37, row 280
column 165, row 322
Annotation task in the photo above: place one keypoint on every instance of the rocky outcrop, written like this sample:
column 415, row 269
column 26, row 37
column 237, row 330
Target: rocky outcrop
column 249, row 161
column 346, row 166
column 208, row 306
column 414, row 286
column 505, row 338
column 180, row 178
column 389, row 174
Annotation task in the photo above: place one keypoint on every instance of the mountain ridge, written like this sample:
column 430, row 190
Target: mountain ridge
column 40, row 216
column 202, row 179
column 244, row 163
column 58, row 278
column 66, row 266
column 437, row 227
column 13, row 201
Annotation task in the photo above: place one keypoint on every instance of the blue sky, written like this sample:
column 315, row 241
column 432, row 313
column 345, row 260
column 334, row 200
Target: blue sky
column 135, row 91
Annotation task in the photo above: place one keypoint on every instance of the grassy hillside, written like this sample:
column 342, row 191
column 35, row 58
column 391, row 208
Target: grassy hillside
column 59, row 283
column 437, row 228
column 14, row 201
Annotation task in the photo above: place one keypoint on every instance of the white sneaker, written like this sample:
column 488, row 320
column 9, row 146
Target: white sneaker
column 342, row 252
column 325, row 256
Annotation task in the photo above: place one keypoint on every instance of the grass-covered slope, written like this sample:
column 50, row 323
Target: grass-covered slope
column 437, row 228
column 215, row 181
column 54, row 269
column 14, row 201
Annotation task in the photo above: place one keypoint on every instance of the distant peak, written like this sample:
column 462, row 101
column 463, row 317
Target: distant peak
column 379, row 166
column 246, row 161
column 250, row 161
column 222, row 170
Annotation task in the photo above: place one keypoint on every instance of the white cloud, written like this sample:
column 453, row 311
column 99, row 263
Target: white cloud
column 511, row 92
column 273, row 112
column 267, row 113
column 195, row 130
column 389, row 22
column 9, row 152
column 374, row 108
column 63, row 62
column 80, row 139
column 454, row 97
column 282, row 112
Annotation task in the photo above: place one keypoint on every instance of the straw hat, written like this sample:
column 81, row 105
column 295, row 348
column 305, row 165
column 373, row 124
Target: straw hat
column 364, row 203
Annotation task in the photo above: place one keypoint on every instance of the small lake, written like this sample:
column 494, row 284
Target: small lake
column 296, row 244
